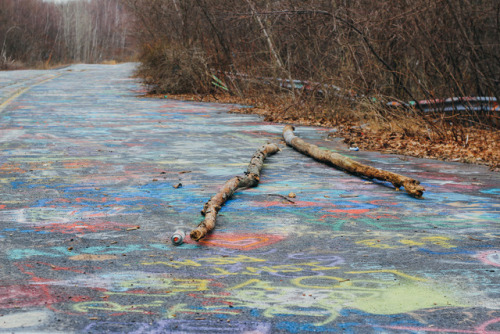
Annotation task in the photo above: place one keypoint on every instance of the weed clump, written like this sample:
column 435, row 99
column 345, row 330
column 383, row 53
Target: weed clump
column 174, row 69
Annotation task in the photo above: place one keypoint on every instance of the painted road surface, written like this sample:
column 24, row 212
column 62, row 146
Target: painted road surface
column 85, row 160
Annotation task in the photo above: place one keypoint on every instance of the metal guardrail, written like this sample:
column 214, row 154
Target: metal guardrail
column 469, row 103
column 452, row 104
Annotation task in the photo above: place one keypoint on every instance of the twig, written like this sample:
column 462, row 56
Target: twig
column 282, row 196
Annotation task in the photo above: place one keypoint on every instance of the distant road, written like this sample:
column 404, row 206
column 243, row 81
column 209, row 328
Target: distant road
column 88, row 203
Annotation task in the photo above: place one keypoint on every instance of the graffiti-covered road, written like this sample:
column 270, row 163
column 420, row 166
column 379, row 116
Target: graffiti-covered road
column 85, row 161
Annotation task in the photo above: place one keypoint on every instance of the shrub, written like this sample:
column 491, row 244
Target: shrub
column 174, row 69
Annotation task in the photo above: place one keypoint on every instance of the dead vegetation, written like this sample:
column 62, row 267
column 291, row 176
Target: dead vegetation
column 179, row 71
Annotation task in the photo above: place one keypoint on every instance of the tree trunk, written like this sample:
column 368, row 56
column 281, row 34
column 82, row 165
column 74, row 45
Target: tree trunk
column 411, row 186
column 250, row 179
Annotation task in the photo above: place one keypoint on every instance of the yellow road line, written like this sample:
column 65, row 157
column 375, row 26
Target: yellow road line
column 22, row 91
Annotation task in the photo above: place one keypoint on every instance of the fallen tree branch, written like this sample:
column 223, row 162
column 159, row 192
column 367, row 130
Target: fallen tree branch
column 411, row 186
column 251, row 179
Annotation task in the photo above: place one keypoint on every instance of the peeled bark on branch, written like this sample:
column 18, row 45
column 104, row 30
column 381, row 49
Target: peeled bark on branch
column 411, row 186
column 250, row 179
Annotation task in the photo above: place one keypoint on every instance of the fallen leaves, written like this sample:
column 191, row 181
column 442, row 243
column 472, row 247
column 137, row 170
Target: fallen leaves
column 482, row 147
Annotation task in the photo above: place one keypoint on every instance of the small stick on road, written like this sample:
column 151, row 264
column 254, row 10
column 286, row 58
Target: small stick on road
column 411, row 186
column 251, row 179
column 282, row 196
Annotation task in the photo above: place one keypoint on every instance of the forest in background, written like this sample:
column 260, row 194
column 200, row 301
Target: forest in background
column 35, row 33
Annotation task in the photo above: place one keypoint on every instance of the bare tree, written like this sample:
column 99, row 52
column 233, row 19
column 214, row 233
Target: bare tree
column 34, row 31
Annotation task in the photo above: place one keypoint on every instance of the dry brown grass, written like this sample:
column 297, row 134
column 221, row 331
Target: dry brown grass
column 10, row 65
